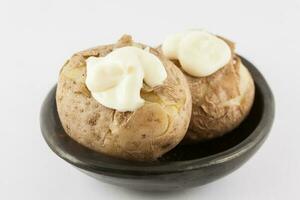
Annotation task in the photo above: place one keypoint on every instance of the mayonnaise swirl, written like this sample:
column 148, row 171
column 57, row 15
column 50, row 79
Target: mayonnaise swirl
column 199, row 53
column 115, row 80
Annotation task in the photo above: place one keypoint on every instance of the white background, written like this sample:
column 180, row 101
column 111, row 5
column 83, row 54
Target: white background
column 36, row 37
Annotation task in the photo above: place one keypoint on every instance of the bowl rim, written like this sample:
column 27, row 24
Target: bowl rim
column 145, row 168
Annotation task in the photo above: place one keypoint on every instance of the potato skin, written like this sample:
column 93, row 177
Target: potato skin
column 220, row 101
column 215, row 112
column 142, row 135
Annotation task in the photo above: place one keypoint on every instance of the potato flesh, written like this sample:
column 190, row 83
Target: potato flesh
column 245, row 81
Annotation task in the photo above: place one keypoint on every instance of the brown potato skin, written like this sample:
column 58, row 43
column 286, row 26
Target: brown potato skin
column 212, row 118
column 142, row 135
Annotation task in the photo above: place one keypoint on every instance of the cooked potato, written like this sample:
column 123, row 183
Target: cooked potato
column 145, row 134
column 220, row 101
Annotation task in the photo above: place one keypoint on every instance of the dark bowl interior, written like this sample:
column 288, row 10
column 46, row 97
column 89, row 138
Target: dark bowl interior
column 185, row 165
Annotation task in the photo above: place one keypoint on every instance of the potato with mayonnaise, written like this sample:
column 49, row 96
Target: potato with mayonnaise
column 133, row 113
column 221, row 86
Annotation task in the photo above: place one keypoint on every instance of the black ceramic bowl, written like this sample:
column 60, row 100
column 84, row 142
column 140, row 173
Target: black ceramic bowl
column 183, row 167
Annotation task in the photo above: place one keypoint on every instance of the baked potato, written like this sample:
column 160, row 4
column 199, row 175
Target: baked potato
column 220, row 101
column 143, row 135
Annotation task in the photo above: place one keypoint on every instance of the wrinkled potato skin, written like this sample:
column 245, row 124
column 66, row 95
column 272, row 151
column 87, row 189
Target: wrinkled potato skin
column 211, row 115
column 142, row 135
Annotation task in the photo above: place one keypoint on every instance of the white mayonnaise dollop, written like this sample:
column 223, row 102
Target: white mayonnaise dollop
column 199, row 52
column 115, row 80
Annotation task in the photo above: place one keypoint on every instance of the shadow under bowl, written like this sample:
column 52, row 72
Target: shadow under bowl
column 183, row 167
